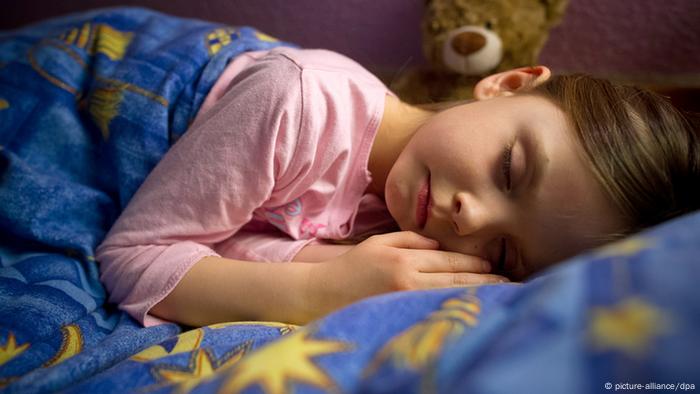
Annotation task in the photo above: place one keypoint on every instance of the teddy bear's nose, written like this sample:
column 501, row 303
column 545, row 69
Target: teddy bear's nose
column 468, row 42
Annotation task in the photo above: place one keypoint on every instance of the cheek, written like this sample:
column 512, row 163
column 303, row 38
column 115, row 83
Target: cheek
column 452, row 166
column 441, row 145
column 396, row 190
column 449, row 241
column 392, row 196
column 430, row 140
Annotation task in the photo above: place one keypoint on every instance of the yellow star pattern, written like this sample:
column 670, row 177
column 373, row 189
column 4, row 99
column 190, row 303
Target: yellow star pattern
column 630, row 326
column 626, row 247
column 104, row 105
column 219, row 38
column 264, row 37
column 202, row 365
column 4, row 104
column 186, row 342
column 421, row 343
column 112, row 42
column 99, row 37
column 10, row 350
column 274, row 366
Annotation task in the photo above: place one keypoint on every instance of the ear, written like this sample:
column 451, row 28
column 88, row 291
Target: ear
column 509, row 82
column 555, row 10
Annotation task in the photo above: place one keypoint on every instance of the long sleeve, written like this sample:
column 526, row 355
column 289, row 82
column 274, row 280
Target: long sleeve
column 205, row 188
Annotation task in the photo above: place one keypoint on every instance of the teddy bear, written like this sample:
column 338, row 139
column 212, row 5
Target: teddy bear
column 466, row 40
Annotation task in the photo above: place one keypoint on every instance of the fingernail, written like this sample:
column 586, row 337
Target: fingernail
column 504, row 280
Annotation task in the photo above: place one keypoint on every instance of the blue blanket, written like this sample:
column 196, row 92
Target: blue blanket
column 88, row 105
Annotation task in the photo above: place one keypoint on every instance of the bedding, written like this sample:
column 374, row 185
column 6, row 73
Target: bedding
column 90, row 102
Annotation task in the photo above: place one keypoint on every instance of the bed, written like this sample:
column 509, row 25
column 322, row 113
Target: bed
column 80, row 128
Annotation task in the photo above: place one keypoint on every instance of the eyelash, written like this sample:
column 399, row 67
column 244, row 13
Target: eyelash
column 506, row 168
column 507, row 161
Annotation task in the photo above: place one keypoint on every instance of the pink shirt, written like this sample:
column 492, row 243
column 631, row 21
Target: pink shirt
column 276, row 158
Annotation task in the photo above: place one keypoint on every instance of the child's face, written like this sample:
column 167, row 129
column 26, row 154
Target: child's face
column 554, row 209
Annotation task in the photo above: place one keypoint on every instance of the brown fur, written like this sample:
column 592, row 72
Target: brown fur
column 522, row 25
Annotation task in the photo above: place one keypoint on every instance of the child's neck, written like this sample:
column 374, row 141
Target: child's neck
column 399, row 122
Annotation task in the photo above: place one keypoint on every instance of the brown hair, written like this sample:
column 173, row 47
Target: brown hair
column 644, row 152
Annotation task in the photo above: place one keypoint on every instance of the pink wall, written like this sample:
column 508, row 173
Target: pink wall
column 630, row 37
column 627, row 37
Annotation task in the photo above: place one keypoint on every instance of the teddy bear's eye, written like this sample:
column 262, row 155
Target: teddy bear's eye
column 488, row 25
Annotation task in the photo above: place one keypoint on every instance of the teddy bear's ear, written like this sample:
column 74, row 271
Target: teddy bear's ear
column 555, row 10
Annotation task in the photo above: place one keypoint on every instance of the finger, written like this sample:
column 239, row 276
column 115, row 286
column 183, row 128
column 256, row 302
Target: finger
column 440, row 261
column 440, row 280
column 406, row 239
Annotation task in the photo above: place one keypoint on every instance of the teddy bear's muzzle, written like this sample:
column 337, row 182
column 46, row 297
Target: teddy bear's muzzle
column 467, row 42
column 472, row 50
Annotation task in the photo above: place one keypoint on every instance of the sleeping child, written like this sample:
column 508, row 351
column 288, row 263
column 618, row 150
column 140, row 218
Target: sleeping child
column 296, row 147
column 303, row 184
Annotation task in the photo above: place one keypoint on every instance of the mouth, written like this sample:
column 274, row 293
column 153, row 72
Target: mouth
column 423, row 205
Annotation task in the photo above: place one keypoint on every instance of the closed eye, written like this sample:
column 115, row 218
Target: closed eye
column 506, row 166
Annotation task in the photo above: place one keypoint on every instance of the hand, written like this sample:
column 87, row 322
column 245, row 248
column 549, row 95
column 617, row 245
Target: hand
column 391, row 262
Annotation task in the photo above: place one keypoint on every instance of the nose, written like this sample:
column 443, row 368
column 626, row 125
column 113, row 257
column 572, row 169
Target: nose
column 468, row 214
column 471, row 50
column 468, row 42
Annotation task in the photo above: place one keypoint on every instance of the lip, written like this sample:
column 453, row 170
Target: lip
column 423, row 203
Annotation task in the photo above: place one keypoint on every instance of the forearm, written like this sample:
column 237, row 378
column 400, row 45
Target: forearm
column 219, row 290
column 316, row 253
